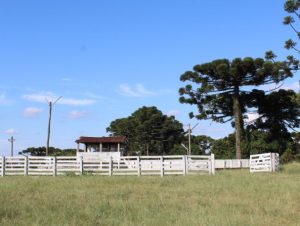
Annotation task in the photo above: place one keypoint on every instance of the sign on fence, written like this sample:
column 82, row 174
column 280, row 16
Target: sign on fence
column 127, row 165
column 267, row 162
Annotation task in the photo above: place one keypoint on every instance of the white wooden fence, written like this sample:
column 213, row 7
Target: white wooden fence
column 128, row 165
column 267, row 162
column 231, row 163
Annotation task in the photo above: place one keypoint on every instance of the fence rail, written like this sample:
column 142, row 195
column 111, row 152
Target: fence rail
column 128, row 165
column 232, row 163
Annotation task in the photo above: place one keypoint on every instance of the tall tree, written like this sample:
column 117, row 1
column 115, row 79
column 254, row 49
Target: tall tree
column 201, row 144
column 292, row 8
column 148, row 131
column 279, row 113
column 218, row 93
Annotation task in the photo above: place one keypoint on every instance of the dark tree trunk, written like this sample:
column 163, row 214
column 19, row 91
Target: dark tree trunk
column 238, row 122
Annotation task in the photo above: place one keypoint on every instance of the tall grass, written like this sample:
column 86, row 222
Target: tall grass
column 231, row 197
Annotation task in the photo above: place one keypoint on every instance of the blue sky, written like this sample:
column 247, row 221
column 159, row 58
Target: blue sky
column 108, row 58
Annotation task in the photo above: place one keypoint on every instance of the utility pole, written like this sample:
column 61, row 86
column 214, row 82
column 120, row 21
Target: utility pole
column 189, row 133
column 49, row 122
column 12, row 140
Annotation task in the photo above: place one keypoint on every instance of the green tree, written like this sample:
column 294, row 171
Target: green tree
column 148, row 131
column 279, row 113
column 218, row 93
column 41, row 151
column 201, row 144
column 292, row 8
column 224, row 148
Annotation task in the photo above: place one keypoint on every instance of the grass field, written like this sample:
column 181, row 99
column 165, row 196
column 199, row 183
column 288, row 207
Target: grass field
column 231, row 197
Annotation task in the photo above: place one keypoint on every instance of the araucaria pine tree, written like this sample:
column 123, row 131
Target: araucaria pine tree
column 217, row 88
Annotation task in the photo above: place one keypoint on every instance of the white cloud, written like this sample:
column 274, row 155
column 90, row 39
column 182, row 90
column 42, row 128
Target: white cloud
column 3, row 99
column 10, row 131
column 251, row 117
column 42, row 97
column 94, row 96
column 31, row 112
column 173, row 113
column 136, row 91
column 66, row 79
column 77, row 114
column 76, row 102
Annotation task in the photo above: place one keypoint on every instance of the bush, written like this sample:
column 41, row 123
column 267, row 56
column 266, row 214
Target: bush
column 287, row 156
column 297, row 157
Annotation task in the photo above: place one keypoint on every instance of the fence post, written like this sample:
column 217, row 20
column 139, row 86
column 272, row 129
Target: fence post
column 161, row 166
column 26, row 166
column 187, row 164
column 184, row 165
column 212, row 159
column 138, row 166
column 273, row 167
column 80, row 165
column 110, row 166
column 54, row 166
column 3, row 166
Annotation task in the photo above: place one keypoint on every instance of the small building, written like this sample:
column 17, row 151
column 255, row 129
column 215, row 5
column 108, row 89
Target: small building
column 101, row 146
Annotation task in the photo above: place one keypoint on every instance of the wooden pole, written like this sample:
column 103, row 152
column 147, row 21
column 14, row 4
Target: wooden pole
column 49, row 125
column 12, row 140
column 189, row 139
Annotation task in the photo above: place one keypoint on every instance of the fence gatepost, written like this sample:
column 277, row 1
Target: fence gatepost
column 184, row 165
column 54, row 166
column 161, row 166
column 26, row 166
column 3, row 166
column 80, row 165
column 110, row 166
column 273, row 166
column 138, row 163
column 212, row 158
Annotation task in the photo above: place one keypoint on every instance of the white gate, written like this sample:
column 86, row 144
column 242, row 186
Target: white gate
column 267, row 162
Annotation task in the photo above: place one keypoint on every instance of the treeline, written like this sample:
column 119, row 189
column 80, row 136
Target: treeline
column 41, row 151
column 150, row 132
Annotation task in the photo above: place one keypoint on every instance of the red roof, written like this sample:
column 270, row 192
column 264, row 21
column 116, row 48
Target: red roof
column 118, row 139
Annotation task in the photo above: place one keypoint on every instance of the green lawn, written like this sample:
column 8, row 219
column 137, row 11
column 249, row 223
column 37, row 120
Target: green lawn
column 231, row 197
